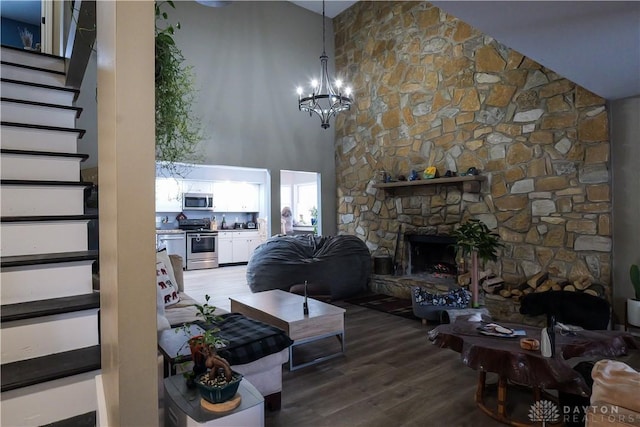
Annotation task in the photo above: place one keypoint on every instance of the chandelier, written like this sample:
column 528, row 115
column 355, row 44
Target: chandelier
column 324, row 100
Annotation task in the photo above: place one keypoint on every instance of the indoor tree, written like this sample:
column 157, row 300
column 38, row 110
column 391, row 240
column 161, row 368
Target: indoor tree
column 476, row 239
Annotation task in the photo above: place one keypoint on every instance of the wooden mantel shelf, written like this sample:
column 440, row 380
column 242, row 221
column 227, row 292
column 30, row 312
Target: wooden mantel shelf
column 470, row 183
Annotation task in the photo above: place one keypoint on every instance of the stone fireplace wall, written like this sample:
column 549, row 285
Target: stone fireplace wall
column 432, row 91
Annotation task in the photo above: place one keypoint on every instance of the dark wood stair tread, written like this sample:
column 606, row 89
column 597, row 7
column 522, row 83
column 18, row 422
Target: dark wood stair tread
column 49, row 307
column 32, row 67
column 48, row 218
column 46, row 183
column 78, row 110
column 83, row 157
column 55, row 258
column 82, row 420
column 48, row 368
column 80, row 132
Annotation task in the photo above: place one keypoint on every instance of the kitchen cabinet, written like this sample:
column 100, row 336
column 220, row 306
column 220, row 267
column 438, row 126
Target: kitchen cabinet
column 236, row 197
column 168, row 195
column 198, row 187
column 237, row 246
column 225, row 247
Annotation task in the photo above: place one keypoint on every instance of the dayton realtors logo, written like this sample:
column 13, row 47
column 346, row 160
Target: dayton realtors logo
column 544, row 411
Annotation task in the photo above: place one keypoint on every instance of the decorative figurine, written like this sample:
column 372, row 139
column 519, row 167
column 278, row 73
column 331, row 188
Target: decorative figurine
column 430, row 172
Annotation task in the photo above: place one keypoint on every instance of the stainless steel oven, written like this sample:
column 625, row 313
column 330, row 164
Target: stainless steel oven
column 202, row 249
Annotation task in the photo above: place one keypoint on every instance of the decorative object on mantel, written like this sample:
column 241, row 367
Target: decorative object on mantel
column 430, row 172
column 470, row 183
column 633, row 304
column 324, row 100
column 475, row 239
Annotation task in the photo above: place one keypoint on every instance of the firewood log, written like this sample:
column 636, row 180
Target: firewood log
column 537, row 279
column 582, row 283
column 569, row 288
column 505, row 293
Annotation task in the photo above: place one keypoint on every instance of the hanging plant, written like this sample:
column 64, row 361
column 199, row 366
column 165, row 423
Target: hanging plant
column 178, row 129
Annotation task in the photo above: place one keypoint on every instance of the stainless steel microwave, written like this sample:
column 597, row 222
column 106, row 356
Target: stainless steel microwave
column 197, row 201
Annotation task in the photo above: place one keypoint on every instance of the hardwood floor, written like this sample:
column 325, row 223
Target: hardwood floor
column 391, row 374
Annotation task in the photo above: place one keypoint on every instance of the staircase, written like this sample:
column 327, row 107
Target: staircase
column 49, row 316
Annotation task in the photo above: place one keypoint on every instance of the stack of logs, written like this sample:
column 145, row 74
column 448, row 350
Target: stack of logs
column 538, row 283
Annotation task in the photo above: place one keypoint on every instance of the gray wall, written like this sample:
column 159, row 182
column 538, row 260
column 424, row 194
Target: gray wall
column 248, row 59
column 625, row 153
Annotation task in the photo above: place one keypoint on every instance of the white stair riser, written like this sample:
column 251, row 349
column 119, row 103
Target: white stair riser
column 42, row 336
column 38, row 140
column 43, row 200
column 43, row 168
column 32, row 76
column 40, row 61
column 38, row 94
column 49, row 402
column 38, row 115
column 32, row 238
column 45, row 281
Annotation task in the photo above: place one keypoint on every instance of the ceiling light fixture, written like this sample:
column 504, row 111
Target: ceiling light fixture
column 323, row 99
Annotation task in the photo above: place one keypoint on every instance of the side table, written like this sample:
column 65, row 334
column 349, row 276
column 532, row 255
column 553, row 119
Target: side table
column 182, row 407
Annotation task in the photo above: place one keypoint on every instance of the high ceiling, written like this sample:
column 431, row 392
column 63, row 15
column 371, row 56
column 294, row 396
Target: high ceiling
column 593, row 43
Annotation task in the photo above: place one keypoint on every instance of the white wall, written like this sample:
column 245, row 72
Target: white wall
column 625, row 152
column 248, row 59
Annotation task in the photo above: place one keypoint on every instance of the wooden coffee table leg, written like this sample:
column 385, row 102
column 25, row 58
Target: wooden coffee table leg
column 502, row 397
column 500, row 412
column 482, row 377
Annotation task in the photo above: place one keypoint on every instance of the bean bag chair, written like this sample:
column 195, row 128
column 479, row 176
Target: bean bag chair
column 336, row 266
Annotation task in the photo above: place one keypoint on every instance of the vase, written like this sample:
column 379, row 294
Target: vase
column 633, row 312
column 198, row 355
column 474, row 279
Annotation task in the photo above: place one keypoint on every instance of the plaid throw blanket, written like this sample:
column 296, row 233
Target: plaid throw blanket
column 249, row 340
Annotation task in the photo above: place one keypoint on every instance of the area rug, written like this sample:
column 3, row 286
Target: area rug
column 385, row 303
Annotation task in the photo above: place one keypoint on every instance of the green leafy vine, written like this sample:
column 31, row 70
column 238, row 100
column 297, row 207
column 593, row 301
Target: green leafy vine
column 178, row 129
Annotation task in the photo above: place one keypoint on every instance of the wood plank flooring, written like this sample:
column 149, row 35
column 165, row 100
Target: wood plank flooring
column 391, row 374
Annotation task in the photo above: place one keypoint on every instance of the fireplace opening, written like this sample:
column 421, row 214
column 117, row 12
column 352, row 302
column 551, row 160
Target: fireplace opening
column 432, row 257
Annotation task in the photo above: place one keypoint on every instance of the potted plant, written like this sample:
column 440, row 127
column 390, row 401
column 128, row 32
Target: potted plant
column 474, row 238
column 178, row 129
column 211, row 373
column 633, row 304
column 27, row 38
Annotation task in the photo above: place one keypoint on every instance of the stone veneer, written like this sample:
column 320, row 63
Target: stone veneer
column 432, row 90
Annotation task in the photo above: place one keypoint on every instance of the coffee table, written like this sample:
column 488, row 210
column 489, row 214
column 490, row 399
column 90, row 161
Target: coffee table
column 514, row 365
column 284, row 310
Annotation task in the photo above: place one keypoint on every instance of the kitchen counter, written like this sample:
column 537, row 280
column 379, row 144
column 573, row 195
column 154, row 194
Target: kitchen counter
column 170, row 231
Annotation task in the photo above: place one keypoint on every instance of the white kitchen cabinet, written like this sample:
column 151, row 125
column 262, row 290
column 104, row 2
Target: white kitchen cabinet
column 220, row 197
column 225, row 247
column 168, row 195
column 236, row 197
column 236, row 246
column 197, row 187
column 240, row 248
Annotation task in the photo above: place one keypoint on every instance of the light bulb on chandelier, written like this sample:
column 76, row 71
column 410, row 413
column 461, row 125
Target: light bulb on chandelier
column 324, row 100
